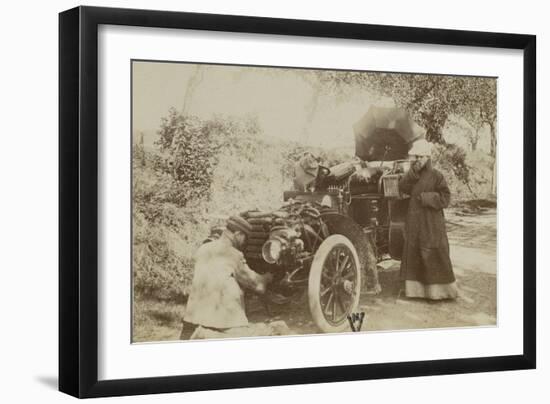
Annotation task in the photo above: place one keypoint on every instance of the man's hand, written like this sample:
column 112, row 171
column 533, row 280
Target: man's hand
column 268, row 278
column 416, row 166
column 249, row 279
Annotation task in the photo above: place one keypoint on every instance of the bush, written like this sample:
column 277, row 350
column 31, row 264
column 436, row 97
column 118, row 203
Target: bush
column 468, row 175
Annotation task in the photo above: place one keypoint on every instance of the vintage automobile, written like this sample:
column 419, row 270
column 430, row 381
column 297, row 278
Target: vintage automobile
column 337, row 223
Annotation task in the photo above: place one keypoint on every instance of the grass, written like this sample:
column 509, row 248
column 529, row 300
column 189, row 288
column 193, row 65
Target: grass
column 156, row 320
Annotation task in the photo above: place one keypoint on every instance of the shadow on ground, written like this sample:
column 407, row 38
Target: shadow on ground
column 48, row 381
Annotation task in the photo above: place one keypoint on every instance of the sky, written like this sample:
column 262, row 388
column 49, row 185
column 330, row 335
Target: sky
column 279, row 98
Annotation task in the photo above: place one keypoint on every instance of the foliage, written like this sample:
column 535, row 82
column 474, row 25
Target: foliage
column 467, row 174
column 480, row 107
column 453, row 158
column 158, row 271
column 191, row 147
column 430, row 99
column 174, row 193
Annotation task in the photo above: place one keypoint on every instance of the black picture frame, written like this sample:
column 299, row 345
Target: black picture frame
column 78, row 200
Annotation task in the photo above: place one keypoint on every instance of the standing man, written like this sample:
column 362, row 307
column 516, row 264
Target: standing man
column 215, row 307
column 426, row 265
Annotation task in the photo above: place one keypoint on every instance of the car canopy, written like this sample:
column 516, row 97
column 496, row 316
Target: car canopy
column 385, row 134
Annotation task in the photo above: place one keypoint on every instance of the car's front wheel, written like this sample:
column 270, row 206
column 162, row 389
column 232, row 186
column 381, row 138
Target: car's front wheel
column 334, row 285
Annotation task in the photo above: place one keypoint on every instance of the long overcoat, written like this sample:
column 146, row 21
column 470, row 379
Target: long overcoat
column 426, row 249
column 216, row 298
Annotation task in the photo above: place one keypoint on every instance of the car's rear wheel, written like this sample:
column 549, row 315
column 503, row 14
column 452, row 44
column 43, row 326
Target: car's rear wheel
column 334, row 285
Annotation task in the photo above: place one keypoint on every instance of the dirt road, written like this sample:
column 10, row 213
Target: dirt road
column 472, row 239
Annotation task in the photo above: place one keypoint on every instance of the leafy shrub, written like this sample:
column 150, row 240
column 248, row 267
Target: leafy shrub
column 467, row 174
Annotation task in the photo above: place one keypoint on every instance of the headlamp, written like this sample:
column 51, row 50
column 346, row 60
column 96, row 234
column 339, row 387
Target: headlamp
column 271, row 250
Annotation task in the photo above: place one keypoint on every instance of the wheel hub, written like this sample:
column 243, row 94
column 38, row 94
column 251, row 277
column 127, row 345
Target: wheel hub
column 348, row 286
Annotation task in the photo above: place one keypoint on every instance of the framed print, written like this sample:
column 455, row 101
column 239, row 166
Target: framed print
column 250, row 201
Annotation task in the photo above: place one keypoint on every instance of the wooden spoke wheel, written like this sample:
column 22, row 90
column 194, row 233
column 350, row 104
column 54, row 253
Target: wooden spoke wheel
column 334, row 285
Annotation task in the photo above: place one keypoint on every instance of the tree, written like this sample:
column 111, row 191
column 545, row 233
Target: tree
column 430, row 100
column 480, row 109
column 192, row 85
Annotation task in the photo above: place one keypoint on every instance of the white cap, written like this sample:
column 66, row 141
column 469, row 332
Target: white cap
column 421, row 147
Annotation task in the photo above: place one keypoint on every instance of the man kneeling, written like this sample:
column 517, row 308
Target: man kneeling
column 215, row 308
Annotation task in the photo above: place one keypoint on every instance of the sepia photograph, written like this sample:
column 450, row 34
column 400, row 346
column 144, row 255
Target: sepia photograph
column 279, row 201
